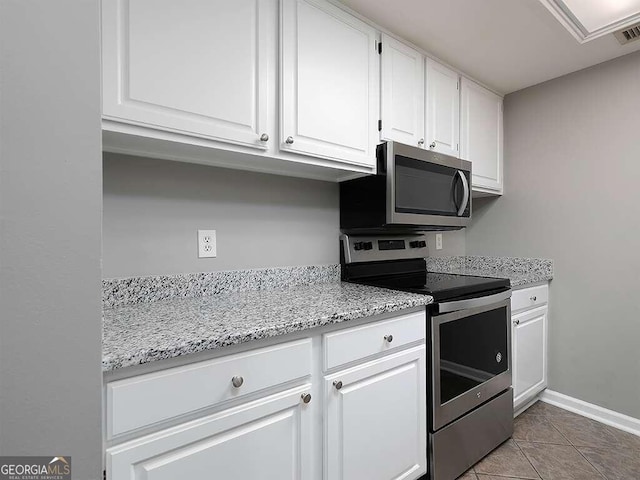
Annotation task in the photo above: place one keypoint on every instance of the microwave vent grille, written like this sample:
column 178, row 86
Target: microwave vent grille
column 629, row 34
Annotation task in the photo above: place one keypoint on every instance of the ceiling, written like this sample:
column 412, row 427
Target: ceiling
column 506, row 44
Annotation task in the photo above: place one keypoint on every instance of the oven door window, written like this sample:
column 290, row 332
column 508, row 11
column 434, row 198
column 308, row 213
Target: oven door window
column 473, row 350
column 427, row 188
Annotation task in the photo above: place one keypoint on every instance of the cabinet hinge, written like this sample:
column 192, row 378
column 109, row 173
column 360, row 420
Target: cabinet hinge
column 379, row 125
column 458, row 85
column 380, row 48
column 457, row 147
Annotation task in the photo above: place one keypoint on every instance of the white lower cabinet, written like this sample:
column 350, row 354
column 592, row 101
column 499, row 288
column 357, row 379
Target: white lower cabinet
column 266, row 439
column 375, row 419
column 529, row 349
column 251, row 415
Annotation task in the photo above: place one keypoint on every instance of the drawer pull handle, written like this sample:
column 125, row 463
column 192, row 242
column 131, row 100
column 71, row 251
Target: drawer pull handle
column 337, row 384
column 533, row 299
column 516, row 322
column 237, row 381
column 306, row 397
column 388, row 338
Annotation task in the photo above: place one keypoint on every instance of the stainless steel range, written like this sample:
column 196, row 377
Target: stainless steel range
column 469, row 385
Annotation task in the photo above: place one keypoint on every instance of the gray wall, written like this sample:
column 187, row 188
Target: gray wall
column 50, row 200
column 153, row 209
column 572, row 167
column 453, row 243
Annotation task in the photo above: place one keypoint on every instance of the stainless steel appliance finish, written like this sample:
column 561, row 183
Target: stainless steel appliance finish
column 470, row 401
column 484, row 383
column 459, row 445
column 414, row 189
column 458, row 166
column 367, row 248
column 444, row 307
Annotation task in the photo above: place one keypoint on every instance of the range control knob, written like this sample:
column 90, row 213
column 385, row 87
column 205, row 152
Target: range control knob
column 362, row 245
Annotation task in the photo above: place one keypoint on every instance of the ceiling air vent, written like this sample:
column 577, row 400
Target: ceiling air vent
column 628, row 34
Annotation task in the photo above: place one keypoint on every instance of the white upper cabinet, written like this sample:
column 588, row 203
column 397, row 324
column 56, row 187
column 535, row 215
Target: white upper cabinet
column 196, row 67
column 402, row 87
column 292, row 87
column 481, row 136
column 443, row 109
column 329, row 83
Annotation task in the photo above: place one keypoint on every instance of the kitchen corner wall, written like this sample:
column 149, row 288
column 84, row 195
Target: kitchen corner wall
column 572, row 172
column 153, row 209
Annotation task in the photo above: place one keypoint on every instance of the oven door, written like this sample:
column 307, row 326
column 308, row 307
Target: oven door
column 426, row 188
column 471, row 355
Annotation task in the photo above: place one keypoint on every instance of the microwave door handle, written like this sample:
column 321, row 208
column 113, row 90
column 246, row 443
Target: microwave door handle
column 455, row 192
column 465, row 197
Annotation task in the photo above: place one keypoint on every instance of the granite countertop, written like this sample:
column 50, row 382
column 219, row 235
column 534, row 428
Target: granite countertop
column 520, row 271
column 140, row 333
column 146, row 319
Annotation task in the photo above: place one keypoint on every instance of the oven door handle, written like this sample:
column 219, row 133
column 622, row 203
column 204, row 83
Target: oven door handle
column 465, row 195
column 447, row 307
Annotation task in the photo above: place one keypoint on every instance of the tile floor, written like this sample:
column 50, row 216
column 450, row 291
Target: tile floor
column 553, row 444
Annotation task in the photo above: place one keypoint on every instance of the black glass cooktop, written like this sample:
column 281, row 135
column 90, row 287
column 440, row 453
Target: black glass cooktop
column 445, row 286
column 411, row 276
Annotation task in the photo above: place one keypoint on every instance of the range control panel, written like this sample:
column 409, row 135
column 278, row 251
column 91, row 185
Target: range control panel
column 388, row 247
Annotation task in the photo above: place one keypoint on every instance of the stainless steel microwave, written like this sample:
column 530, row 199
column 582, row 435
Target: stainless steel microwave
column 413, row 189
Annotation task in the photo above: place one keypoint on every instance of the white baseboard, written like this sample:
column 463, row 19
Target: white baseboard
column 595, row 412
column 524, row 407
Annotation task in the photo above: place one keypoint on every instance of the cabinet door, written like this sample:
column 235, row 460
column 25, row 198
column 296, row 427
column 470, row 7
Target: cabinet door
column 376, row 426
column 402, row 86
column 265, row 439
column 529, row 354
column 329, row 86
column 197, row 67
column 481, row 135
column 443, row 109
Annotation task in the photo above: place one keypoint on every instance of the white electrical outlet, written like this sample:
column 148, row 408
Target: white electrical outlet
column 206, row 243
column 438, row 241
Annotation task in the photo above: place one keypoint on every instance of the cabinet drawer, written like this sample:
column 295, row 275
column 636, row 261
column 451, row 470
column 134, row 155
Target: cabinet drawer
column 148, row 399
column 360, row 342
column 529, row 298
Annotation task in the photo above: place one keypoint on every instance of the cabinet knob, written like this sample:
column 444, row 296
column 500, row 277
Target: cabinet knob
column 421, row 142
column 337, row 384
column 432, row 145
column 237, row 381
column 306, row 397
column 289, row 140
column 516, row 322
column 533, row 299
column 264, row 137
column 388, row 338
